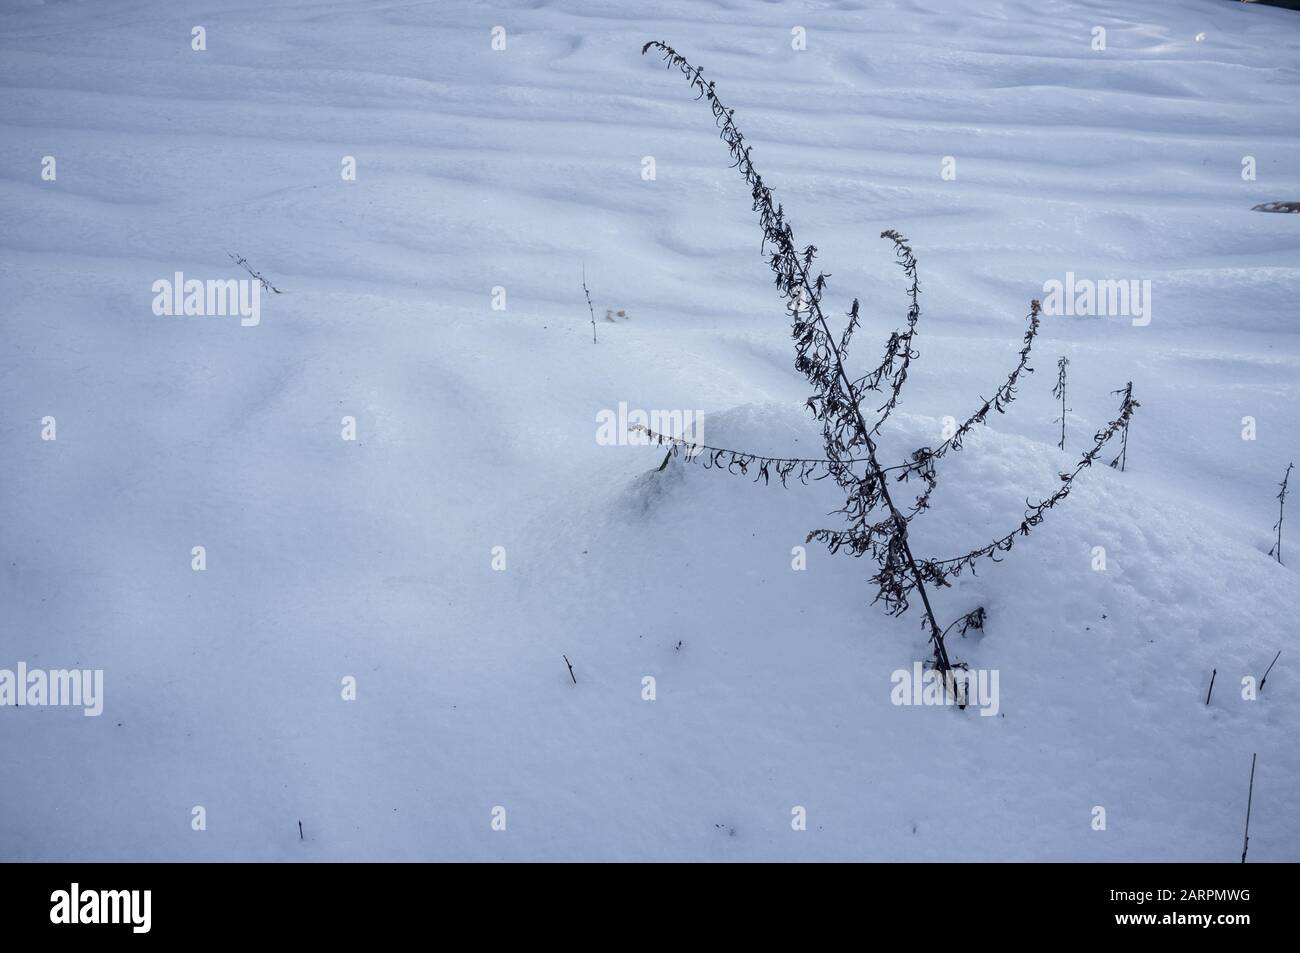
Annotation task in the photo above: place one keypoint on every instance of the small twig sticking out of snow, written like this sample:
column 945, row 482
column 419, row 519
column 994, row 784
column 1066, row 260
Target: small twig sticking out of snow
column 1245, row 844
column 971, row 620
column 1269, row 669
column 1059, row 391
column 1281, row 506
column 589, row 307
column 300, row 837
column 243, row 263
column 570, row 664
column 1122, row 459
column 1211, row 691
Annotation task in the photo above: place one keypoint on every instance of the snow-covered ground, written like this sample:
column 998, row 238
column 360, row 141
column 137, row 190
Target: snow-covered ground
column 478, row 169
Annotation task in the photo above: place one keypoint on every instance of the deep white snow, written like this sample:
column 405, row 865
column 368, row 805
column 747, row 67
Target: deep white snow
column 517, row 168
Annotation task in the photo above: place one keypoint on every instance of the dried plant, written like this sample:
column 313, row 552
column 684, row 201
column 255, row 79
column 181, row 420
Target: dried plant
column 971, row 620
column 590, row 309
column 1276, row 551
column 876, row 525
column 243, row 263
column 1250, row 796
column 1122, row 458
column 1059, row 392
column 940, row 570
